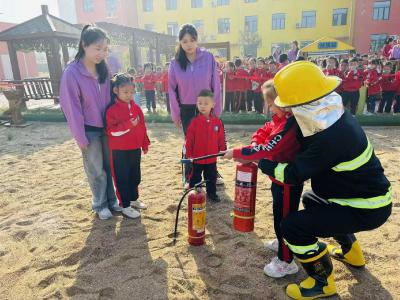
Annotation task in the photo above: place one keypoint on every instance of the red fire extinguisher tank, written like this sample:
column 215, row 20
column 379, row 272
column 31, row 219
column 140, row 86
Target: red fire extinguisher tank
column 196, row 217
column 245, row 197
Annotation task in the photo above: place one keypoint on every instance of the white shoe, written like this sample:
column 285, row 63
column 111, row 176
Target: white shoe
column 138, row 204
column 278, row 268
column 220, row 181
column 105, row 214
column 272, row 245
column 116, row 207
column 130, row 212
column 367, row 113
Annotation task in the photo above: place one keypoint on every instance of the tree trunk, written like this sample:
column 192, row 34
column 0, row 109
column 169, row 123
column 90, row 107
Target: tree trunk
column 16, row 103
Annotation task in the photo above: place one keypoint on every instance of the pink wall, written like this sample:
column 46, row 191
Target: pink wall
column 26, row 61
column 125, row 14
column 365, row 25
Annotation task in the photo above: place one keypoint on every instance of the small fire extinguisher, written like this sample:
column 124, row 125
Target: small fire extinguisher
column 196, row 215
column 245, row 197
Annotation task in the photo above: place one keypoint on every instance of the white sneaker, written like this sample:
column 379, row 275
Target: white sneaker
column 116, row 207
column 367, row 113
column 278, row 268
column 220, row 181
column 130, row 212
column 272, row 245
column 138, row 204
column 105, row 214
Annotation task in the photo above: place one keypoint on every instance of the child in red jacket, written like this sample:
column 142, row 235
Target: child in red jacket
column 149, row 84
column 396, row 106
column 229, row 86
column 127, row 137
column 389, row 87
column 275, row 141
column 205, row 135
column 241, row 85
column 352, row 80
column 373, row 84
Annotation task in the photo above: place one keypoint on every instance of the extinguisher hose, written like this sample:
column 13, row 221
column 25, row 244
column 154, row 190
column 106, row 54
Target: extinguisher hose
column 198, row 185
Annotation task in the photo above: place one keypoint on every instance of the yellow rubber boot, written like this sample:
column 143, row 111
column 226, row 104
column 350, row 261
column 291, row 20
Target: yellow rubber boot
column 354, row 257
column 320, row 281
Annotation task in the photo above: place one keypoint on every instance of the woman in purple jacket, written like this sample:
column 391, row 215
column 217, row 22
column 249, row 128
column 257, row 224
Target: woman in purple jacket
column 192, row 70
column 84, row 97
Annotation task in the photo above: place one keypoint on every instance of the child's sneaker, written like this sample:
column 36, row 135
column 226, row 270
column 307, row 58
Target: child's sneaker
column 138, row 204
column 272, row 245
column 278, row 268
column 105, row 214
column 213, row 198
column 130, row 212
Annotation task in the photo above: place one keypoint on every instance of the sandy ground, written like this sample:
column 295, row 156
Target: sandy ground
column 53, row 247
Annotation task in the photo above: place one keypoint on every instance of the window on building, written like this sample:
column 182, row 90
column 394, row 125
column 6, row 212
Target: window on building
column 222, row 2
column 199, row 25
column 111, row 8
column 250, row 1
column 197, row 3
column 377, row 41
column 224, row 25
column 88, row 5
column 278, row 21
column 147, row 5
column 149, row 27
column 171, row 4
column 308, row 19
column 339, row 16
column 172, row 29
column 250, row 23
column 250, row 50
column 381, row 10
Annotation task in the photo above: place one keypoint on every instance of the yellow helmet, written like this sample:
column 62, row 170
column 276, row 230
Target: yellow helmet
column 302, row 82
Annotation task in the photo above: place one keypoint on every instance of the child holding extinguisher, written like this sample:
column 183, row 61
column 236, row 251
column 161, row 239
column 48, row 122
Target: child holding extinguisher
column 127, row 138
column 277, row 141
column 205, row 135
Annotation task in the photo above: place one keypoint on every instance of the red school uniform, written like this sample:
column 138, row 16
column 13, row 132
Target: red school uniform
column 230, row 81
column 389, row 83
column 241, row 82
column 149, row 82
column 261, row 76
column 397, row 78
column 352, row 81
column 164, row 82
column 372, row 80
column 276, row 140
column 122, row 135
column 205, row 136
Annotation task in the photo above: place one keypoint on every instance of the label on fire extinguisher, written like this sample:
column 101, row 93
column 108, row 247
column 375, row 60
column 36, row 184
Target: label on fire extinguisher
column 243, row 176
column 199, row 217
column 242, row 197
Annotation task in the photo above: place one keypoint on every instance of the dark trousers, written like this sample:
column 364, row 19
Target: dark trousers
column 239, row 101
column 125, row 165
column 229, row 99
column 258, row 102
column 250, row 100
column 321, row 218
column 286, row 199
column 351, row 98
column 396, row 106
column 167, row 103
column 371, row 100
column 188, row 112
column 210, row 174
column 150, row 99
column 386, row 102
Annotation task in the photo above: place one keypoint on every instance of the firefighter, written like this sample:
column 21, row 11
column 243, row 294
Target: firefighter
column 350, row 192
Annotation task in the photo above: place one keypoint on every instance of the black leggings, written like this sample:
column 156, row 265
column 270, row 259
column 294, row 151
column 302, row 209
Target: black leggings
column 188, row 112
column 210, row 174
column 386, row 102
column 150, row 99
column 352, row 98
column 321, row 218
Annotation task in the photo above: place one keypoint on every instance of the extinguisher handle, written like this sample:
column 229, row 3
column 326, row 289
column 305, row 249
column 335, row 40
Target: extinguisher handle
column 197, row 185
column 190, row 160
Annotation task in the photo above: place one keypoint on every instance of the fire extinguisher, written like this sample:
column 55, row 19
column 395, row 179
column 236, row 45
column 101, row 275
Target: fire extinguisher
column 245, row 197
column 196, row 215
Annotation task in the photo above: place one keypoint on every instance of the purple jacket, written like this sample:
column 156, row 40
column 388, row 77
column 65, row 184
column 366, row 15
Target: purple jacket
column 83, row 100
column 292, row 55
column 201, row 74
column 395, row 52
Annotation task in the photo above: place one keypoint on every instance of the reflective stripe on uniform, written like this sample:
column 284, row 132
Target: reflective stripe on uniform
column 303, row 249
column 368, row 203
column 357, row 162
column 279, row 172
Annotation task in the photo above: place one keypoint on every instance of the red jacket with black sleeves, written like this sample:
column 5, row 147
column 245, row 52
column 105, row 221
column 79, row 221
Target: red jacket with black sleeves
column 122, row 135
column 276, row 141
column 388, row 83
column 352, row 81
column 372, row 81
column 203, row 137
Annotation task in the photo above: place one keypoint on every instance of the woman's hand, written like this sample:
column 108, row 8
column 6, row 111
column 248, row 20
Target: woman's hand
column 228, row 154
column 178, row 123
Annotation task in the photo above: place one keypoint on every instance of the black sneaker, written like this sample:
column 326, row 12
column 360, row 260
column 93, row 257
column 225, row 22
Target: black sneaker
column 214, row 198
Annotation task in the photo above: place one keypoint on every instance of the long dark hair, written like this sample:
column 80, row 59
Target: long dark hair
column 180, row 54
column 92, row 34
